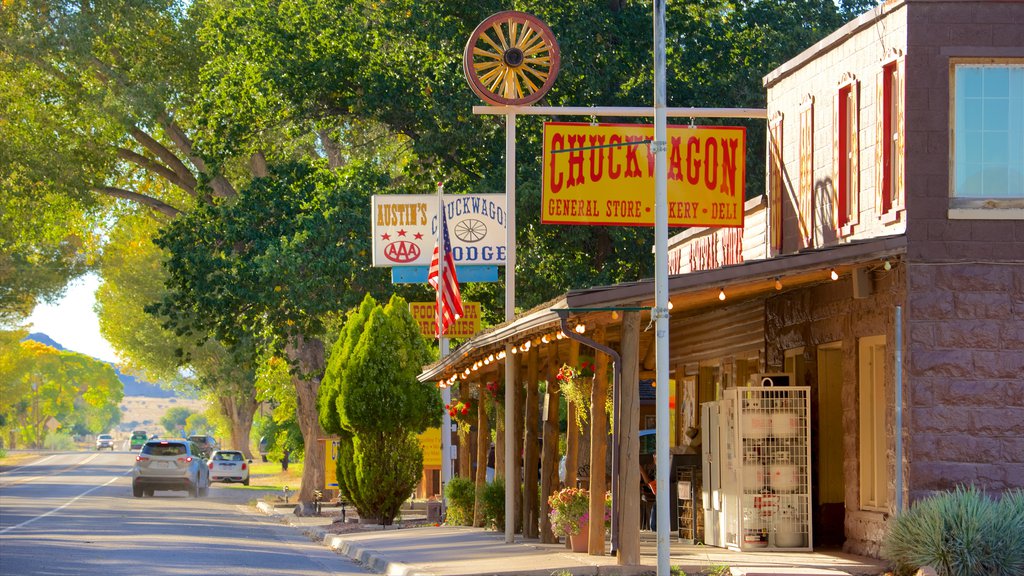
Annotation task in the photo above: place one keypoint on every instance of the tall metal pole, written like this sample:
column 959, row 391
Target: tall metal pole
column 511, row 468
column 446, row 393
column 660, row 311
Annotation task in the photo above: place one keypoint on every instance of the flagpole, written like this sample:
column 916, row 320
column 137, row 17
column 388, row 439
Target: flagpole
column 446, row 393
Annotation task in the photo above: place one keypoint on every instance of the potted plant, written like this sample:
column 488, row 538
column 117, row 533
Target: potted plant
column 570, row 515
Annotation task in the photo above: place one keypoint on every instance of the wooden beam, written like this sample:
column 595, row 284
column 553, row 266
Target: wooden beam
column 531, row 455
column 598, row 449
column 465, row 462
column 483, row 445
column 629, row 444
column 549, row 457
column 572, row 434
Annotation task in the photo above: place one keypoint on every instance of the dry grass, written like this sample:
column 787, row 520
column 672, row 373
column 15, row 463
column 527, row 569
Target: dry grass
column 144, row 412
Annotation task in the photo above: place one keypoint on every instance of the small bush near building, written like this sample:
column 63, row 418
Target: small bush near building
column 460, row 493
column 492, row 499
column 59, row 441
column 960, row 533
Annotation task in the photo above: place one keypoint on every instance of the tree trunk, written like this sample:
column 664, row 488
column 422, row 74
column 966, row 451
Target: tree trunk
column 629, row 444
column 499, row 428
column 465, row 457
column 307, row 356
column 239, row 412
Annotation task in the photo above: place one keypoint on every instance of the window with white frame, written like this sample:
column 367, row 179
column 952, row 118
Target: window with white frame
column 988, row 136
column 874, row 467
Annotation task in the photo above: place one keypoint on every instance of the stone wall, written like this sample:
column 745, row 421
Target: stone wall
column 825, row 314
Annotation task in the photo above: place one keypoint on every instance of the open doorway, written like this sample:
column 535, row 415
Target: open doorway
column 830, row 512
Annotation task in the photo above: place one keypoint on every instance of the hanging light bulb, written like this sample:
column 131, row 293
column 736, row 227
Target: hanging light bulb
column 527, row 345
column 487, row 361
column 671, row 305
column 721, row 293
column 580, row 328
column 559, row 336
column 515, row 350
column 887, row 265
column 501, row 355
column 544, row 338
column 778, row 283
column 615, row 314
column 833, row 274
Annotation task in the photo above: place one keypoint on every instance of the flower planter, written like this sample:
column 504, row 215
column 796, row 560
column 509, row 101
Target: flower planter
column 581, row 540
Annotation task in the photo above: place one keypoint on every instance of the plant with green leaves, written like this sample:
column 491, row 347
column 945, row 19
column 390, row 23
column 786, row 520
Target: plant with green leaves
column 461, row 496
column 492, row 498
column 371, row 399
column 960, row 533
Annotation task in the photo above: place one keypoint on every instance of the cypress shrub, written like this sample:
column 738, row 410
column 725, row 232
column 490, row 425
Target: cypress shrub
column 960, row 533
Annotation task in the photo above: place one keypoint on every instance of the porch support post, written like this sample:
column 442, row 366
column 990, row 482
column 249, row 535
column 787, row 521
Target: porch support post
column 629, row 443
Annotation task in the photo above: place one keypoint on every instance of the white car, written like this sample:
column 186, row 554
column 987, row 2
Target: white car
column 105, row 441
column 229, row 466
column 170, row 465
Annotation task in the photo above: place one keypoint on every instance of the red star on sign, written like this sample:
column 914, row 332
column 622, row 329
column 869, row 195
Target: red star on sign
column 418, row 236
column 385, row 236
column 401, row 232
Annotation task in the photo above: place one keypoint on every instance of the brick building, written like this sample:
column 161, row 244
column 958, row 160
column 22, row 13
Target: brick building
column 886, row 253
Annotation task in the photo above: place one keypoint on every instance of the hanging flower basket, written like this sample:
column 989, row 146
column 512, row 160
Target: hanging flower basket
column 576, row 385
column 462, row 412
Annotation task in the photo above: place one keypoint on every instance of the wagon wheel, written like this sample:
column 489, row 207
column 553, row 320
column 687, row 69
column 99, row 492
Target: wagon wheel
column 470, row 230
column 511, row 59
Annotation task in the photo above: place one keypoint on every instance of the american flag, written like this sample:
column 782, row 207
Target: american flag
column 451, row 298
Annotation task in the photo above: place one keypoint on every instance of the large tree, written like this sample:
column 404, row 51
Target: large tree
column 290, row 251
column 132, row 277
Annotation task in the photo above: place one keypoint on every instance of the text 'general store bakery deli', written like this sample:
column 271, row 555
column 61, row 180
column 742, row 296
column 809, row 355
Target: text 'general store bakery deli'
column 604, row 175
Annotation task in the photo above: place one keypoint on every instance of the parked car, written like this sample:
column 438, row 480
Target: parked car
column 207, row 444
column 105, row 441
column 229, row 466
column 137, row 440
column 170, row 465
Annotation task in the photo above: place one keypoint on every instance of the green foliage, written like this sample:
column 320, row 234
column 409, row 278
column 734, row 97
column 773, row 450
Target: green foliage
column 960, row 533
column 175, row 419
column 460, row 494
column 59, row 441
column 492, row 499
column 378, row 472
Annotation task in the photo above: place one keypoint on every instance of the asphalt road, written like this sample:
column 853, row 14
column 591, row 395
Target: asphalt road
column 73, row 513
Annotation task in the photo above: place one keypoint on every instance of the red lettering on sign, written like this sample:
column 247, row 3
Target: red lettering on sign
column 401, row 251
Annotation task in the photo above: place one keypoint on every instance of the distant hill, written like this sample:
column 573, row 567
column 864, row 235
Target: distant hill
column 132, row 385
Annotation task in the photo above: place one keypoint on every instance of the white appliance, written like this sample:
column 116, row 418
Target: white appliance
column 757, row 472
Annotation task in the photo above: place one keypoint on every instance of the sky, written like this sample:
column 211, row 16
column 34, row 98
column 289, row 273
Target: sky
column 72, row 321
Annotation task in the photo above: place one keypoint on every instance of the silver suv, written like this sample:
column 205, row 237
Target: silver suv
column 170, row 465
column 105, row 441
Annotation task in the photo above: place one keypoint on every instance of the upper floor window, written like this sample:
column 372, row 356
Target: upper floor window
column 889, row 145
column 988, row 138
column 805, row 194
column 846, row 157
column 776, row 183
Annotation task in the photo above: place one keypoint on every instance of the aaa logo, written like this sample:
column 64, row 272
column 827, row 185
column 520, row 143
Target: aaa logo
column 402, row 251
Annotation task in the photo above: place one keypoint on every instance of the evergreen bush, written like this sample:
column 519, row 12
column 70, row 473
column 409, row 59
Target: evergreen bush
column 960, row 533
column 59, row 441
column 460, row 493
column 492, row 498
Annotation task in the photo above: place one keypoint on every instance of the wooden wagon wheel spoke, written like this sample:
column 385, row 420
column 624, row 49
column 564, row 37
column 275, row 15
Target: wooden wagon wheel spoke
column 511, row 58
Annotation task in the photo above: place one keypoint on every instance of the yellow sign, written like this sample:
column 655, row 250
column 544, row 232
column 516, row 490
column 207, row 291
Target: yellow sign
column 330, row 463
column 604, row 174
column 430, row 442
column 465, row 327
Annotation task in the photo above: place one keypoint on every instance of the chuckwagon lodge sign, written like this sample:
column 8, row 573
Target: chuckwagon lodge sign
column 404, row 228
column 604, row 174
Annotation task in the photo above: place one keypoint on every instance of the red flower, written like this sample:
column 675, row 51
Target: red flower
column 465, row 410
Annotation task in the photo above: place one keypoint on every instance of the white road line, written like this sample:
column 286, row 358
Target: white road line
column 23, row 480
column 58, row 509
column 36, row 463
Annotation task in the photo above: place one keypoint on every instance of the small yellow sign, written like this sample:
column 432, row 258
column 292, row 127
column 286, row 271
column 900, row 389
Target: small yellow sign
column 430, row 442
column 604, row 175
column 465, row 327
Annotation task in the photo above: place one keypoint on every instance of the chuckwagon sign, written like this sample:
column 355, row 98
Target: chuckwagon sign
column 405, row 228
column 604, row 175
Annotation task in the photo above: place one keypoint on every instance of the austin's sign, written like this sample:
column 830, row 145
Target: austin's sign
column 405, row 228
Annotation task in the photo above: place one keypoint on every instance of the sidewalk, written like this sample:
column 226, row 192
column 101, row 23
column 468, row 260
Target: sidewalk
column 457, row 551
